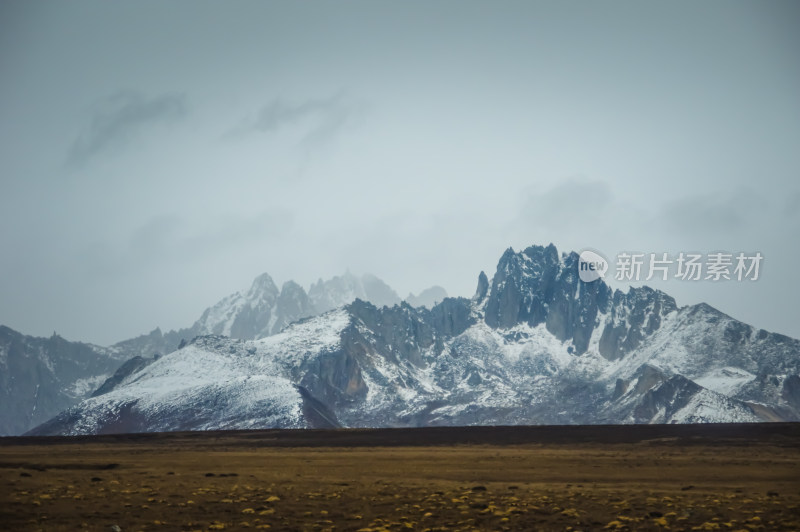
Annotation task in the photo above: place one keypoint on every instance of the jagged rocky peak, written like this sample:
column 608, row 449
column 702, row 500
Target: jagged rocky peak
column 400, row 326
column 263, row 288
column 574, row 306
column 259, row 312
column 402, row 333
column 521, row 285
column 537, row 286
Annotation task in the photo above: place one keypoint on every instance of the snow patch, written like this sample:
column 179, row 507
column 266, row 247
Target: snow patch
column 727, row 380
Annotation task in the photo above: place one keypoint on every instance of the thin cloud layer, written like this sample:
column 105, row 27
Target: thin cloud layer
column 120, row 117
column 318, row 119
column 279, row 112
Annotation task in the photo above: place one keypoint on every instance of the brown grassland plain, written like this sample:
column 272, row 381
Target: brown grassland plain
column 712, row 477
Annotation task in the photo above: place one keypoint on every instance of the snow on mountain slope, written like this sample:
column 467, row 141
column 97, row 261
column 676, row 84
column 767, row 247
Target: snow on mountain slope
column 714, row 350
column 210, row 384
column 655, row 396
column 727, row 380
column 214, row 383
column 707, row 406
column 293, row 346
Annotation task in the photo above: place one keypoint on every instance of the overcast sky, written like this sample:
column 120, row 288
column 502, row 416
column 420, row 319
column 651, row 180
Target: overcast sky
column 157, row 156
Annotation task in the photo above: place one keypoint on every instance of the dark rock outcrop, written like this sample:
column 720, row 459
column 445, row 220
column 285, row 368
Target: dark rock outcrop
column 522, row 286
column 334, row 378
column 451, row 317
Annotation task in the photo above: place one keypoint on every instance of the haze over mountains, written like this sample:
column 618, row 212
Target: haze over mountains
column 535, row 344
column 40, row 377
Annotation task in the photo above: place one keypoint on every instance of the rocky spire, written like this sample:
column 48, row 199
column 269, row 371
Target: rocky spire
column 483, row 287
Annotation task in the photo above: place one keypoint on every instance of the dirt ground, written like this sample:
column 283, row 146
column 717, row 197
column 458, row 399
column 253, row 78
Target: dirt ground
column 544, row 478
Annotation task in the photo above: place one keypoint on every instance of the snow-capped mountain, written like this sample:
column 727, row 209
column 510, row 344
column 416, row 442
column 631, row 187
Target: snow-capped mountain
column 534, row 345
column 39, row 377
column 259, row 312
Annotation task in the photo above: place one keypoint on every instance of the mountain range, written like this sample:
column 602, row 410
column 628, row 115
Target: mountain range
column 39, row 377
column 534, row 345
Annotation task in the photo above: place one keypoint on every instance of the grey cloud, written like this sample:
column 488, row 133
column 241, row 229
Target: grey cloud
column 321, row 118
column 279, row 112
column 120, row 116
column 334, row 120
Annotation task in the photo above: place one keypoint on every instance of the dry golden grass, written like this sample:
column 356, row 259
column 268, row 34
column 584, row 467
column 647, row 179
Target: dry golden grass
column 207, row 483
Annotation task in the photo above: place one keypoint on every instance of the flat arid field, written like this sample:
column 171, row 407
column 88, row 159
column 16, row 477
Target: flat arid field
column 676, row 477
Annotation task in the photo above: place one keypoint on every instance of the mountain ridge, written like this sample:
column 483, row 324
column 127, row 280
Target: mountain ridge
column 536, row 345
